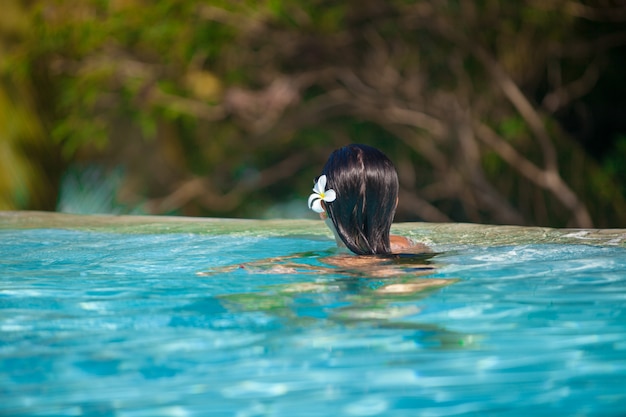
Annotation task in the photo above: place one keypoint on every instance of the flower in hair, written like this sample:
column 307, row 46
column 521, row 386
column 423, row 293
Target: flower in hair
column 321, row 193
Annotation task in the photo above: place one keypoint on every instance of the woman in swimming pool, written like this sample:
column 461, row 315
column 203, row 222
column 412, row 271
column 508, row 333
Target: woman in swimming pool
column 357, row 196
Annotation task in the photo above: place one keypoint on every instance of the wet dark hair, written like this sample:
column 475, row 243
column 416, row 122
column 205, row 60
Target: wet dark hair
column 366, row 184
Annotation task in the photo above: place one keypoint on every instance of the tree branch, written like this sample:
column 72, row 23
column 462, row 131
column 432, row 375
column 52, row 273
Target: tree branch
column 546, row 179
column 565, row 94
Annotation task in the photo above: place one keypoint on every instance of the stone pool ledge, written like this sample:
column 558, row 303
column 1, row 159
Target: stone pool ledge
column 430, row 233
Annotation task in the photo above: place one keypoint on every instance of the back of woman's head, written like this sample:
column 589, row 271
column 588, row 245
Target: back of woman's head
column 366, row 184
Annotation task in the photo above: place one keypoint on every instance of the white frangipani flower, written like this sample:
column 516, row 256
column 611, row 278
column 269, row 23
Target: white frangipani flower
column 320, row 193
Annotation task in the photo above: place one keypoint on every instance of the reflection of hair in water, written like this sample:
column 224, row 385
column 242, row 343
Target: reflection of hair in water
column 366, row 185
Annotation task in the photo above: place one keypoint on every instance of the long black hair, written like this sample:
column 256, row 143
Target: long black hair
column 366, row 183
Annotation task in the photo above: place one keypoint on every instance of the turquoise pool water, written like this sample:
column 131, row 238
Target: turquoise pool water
column 190, row 324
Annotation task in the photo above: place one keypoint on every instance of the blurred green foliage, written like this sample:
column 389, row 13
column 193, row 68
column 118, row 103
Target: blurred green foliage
column 230, row 108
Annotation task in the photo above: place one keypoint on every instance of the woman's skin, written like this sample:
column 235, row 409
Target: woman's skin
column 401, row 244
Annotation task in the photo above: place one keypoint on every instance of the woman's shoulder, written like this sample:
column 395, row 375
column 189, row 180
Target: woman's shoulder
column 401, row 244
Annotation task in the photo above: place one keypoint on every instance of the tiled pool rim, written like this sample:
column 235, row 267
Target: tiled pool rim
column 429, row 233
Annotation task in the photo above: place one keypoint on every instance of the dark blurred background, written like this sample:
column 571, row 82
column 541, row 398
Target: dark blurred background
column 494, row 111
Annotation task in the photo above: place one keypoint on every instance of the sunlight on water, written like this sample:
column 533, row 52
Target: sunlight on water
column 108, row 324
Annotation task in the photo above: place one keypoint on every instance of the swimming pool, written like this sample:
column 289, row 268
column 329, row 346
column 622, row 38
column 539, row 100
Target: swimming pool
column 141, row 316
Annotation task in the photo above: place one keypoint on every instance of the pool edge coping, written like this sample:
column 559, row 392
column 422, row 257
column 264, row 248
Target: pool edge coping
column 429, row 233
